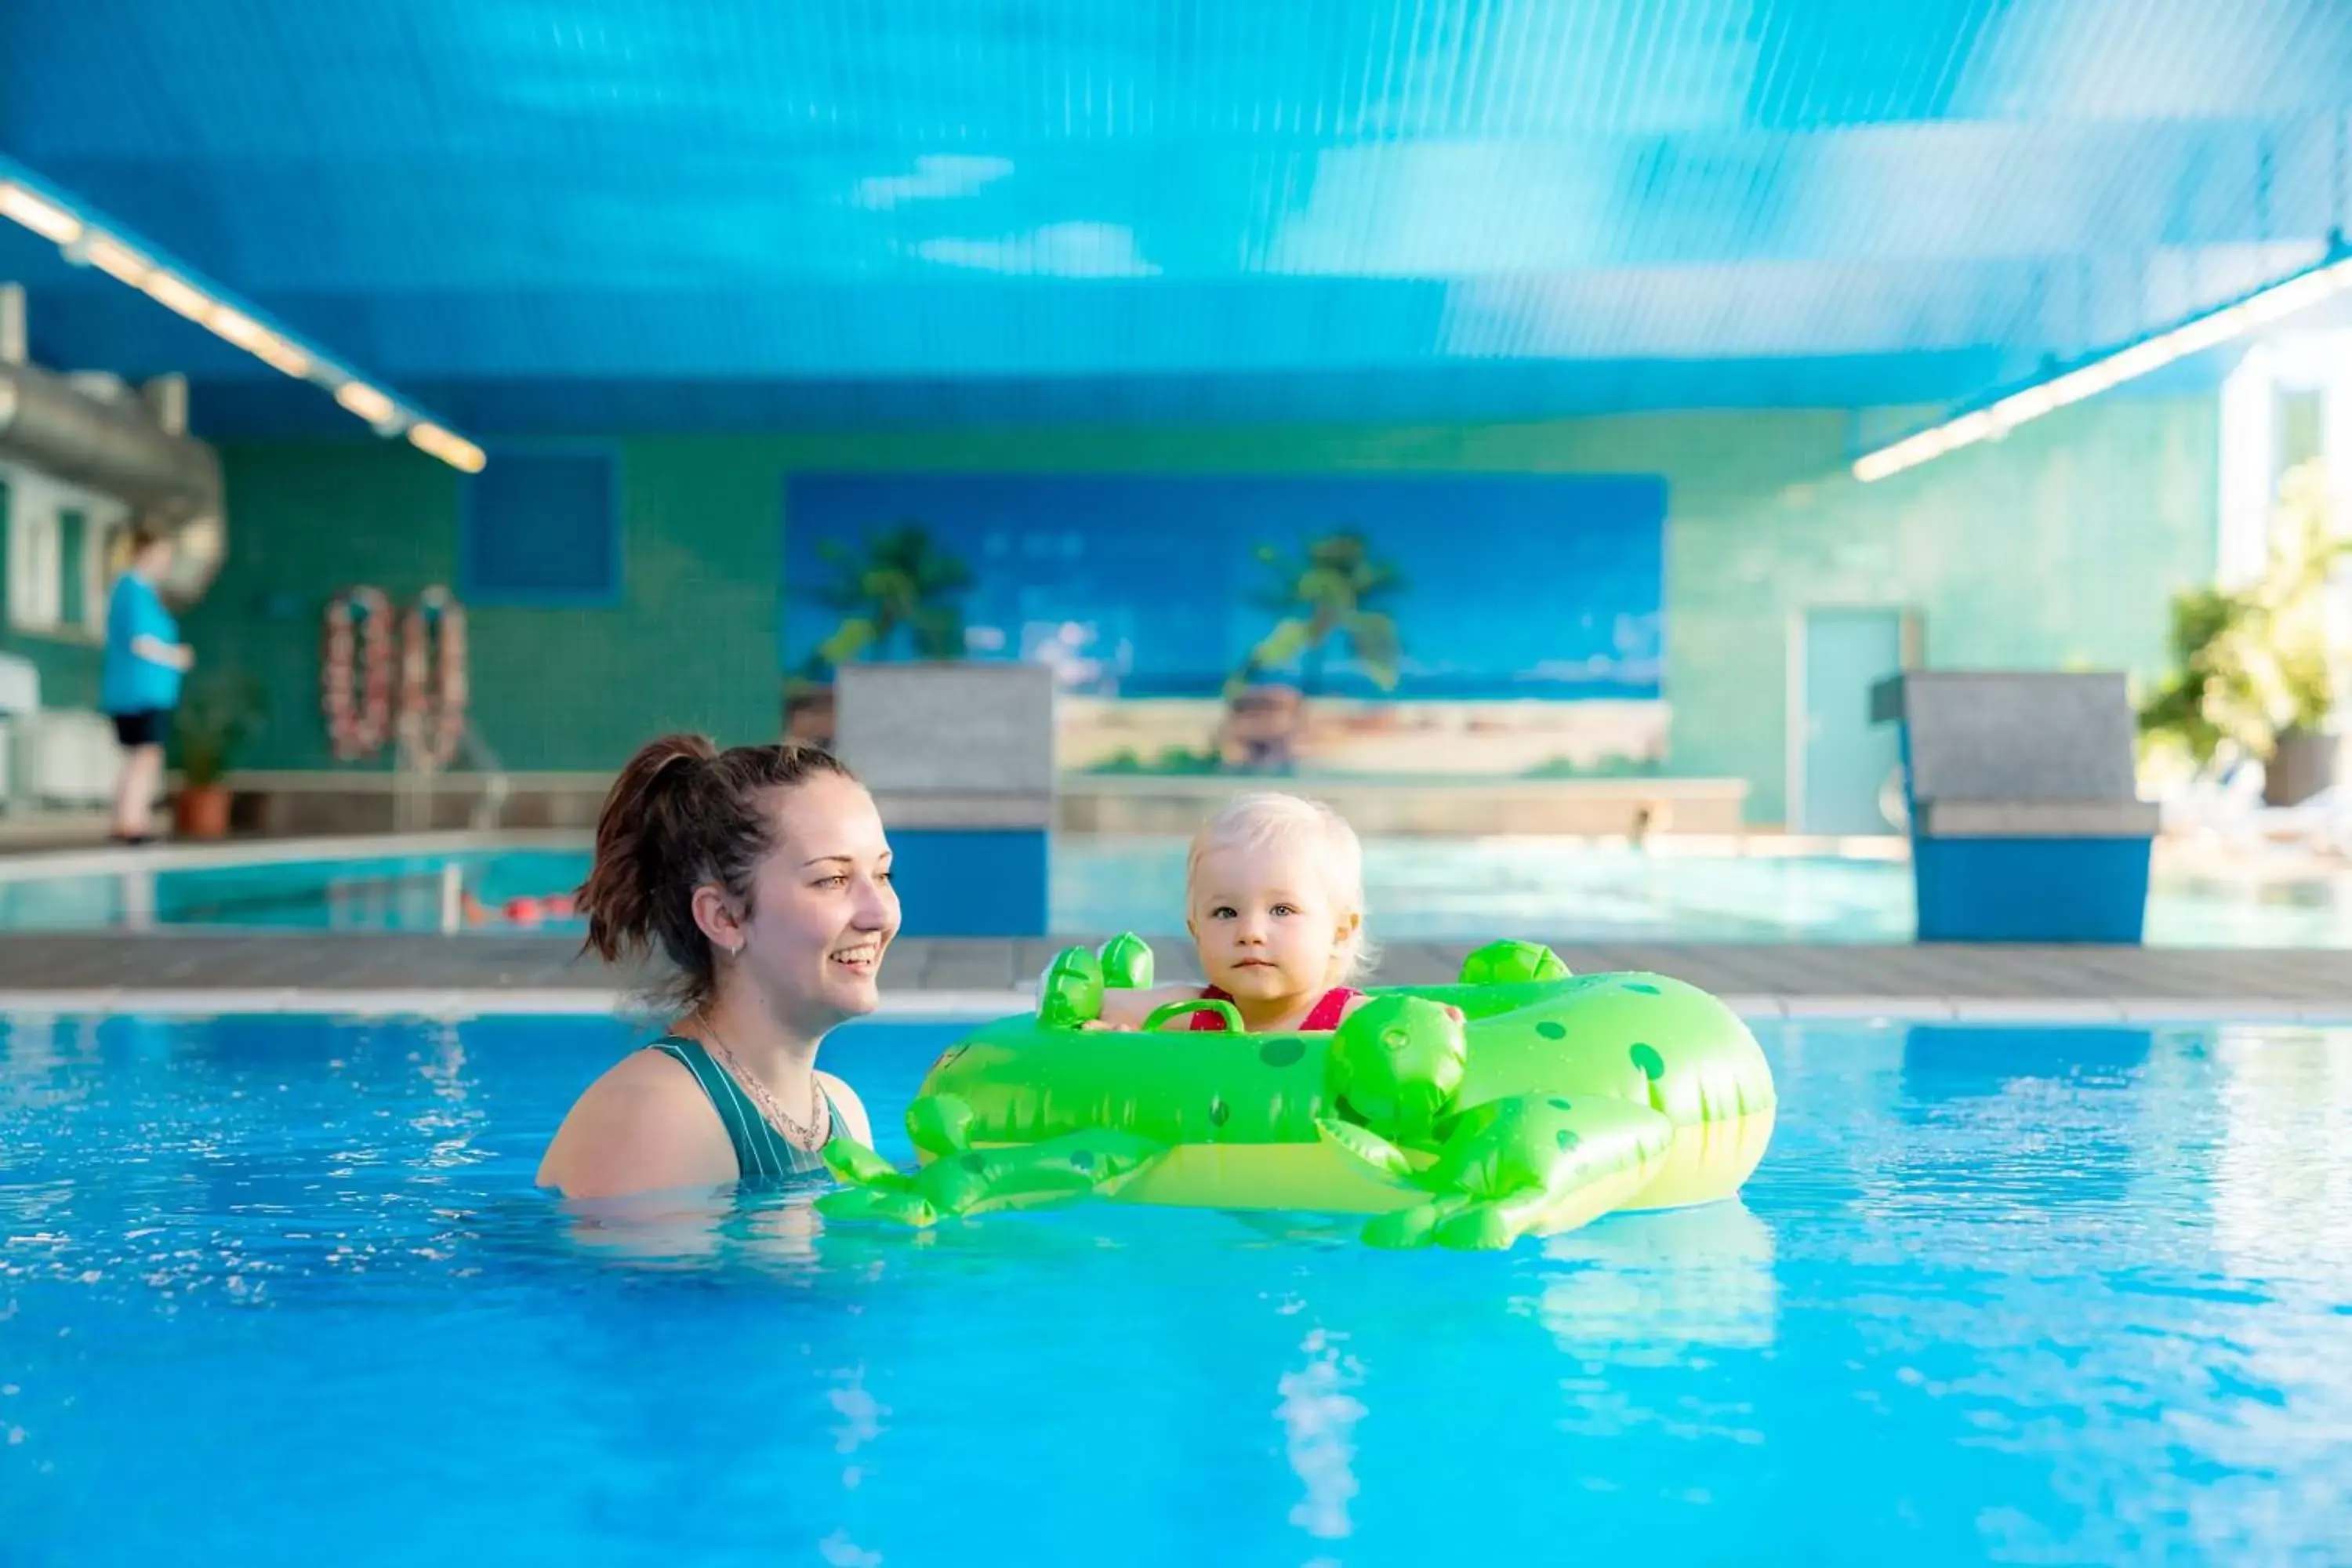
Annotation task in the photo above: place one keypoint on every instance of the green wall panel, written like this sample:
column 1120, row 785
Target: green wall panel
column 2058, row 546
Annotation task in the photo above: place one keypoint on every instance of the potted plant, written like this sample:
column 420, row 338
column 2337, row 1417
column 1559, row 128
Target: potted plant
column 217, row 716
column 2256, row 664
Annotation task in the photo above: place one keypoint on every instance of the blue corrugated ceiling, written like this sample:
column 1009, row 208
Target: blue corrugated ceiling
column 636, row 214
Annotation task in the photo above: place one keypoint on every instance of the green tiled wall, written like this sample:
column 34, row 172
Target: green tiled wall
column 2057, row 546
column 68, row 670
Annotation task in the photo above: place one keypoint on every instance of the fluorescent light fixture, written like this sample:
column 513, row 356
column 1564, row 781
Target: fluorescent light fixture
column 86, row 242
column 40, row 215
column 279, row 354
column 117, row 260
column 178, row 296
column 235, row 326
column 367, row 403
column 2209, row 329
column 454, row 450
column 258, row 340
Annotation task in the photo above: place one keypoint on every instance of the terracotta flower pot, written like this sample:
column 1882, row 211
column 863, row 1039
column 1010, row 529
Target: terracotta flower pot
column 2303, row 764
column 201, row 811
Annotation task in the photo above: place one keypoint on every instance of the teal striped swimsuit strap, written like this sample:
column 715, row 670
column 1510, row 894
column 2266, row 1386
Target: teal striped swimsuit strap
column 761, row 1152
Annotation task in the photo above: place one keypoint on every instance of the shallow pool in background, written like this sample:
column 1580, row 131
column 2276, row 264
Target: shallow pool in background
column 1419, row 889
column 278, row 1290
column 388, row 892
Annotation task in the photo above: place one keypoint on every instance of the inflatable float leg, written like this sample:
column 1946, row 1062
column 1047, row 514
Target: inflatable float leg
column 1074, row 1165
column 900, row 1206
column 940, row 1123
column 1527, row 1164
column 873, row 1188
column 983, row 1181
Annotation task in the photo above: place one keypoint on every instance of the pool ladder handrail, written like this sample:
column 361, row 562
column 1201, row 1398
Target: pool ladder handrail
column 489, row 807
column 413, row 786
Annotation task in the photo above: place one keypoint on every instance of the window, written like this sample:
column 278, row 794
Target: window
column 32, row 569
column 541, row 528
column 52, row 580
column 2302, row 426
column 73, row 569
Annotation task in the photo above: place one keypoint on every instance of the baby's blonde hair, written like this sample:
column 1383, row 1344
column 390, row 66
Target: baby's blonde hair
column 1268, row 819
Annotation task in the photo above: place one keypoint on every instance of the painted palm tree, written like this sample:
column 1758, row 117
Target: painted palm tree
column 1328, row 593
column 901, row 587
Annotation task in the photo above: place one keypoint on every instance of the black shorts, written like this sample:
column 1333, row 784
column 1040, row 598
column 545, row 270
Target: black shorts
column 148, row 727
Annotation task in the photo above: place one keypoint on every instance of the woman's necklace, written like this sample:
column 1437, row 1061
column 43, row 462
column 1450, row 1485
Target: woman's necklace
column 810, row 1134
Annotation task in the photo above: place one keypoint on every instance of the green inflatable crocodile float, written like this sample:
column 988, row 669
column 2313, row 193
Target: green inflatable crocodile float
column 1550, row 1100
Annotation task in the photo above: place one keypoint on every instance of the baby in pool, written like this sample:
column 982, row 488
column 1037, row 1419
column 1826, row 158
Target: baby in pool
column 1274, row 894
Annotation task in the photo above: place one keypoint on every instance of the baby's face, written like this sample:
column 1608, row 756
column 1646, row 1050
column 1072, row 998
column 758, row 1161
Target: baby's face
column 1265, row 923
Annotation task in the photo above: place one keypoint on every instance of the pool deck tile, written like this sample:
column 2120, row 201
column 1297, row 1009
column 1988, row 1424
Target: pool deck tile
column 383, row 972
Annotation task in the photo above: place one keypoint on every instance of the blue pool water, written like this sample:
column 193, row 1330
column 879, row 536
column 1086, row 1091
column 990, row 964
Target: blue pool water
column 278, row 1291
column 1417, row 888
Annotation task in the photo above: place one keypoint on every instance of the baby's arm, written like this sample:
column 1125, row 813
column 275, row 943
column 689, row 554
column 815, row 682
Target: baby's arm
column 1123, row 1008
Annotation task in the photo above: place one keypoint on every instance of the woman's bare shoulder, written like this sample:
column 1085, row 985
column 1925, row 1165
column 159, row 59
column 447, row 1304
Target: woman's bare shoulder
column 645, row 1125
column 854, row 1121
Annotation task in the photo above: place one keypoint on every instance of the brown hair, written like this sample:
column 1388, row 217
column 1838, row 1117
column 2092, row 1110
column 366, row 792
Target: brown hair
column 145, row 536
column 684, row 813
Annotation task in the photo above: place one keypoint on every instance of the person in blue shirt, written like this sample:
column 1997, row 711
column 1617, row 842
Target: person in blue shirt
column 140, row 681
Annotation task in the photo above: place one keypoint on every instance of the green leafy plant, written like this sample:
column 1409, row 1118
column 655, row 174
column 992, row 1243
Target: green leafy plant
column 1606, row 768
column 900, row 584
column 1171, row 759
column 2255, row 662
column 1331, row 591
column 218, row 715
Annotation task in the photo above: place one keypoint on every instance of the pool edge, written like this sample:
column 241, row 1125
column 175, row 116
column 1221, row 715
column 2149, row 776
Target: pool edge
column 587, row 1002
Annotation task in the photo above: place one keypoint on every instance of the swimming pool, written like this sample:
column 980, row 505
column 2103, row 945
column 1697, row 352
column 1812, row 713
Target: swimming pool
column 1418, row 889
column 278, row 1291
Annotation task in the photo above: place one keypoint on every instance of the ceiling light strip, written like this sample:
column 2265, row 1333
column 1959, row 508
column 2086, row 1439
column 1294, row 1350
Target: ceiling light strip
column 87, row 241
column 2209, row 328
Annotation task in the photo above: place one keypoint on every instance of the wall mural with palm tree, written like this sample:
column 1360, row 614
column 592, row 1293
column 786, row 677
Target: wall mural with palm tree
column 1334, row 590
column 888, row 593
column 1473, row 623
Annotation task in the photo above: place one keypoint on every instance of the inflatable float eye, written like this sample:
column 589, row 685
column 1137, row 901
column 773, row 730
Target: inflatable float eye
column 1127, row 962
column 1396, row 1062
column 1512, row 962
column 1070, row 991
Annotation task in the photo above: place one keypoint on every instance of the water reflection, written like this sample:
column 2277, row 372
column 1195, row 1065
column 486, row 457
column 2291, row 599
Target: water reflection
column 2281, row 1196
column 2282, row 1174
column 2006, row 1119
column 1649, row 1288
column 859, row 1425
column 1319, row 1412
column 137, row 899
column 32, row 1046
column 766, row 1229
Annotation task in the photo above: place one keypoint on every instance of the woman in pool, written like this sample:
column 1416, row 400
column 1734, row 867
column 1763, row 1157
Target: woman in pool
column 762, row 876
